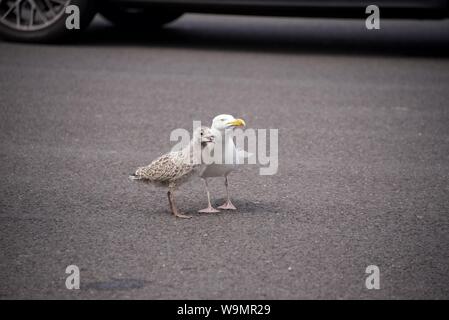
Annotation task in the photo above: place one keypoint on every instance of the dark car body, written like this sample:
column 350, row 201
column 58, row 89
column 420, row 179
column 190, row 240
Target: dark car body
column 304, row 8
column 46, row 20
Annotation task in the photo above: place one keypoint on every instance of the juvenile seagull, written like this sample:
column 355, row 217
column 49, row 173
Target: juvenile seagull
column 174, row 168
column 220, row 124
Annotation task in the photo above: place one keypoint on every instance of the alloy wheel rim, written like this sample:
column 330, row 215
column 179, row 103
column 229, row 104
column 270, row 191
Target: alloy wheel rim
column 31, row 15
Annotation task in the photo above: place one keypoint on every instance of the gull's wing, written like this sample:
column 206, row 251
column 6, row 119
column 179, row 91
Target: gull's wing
column 164, row 168
column 242, row 155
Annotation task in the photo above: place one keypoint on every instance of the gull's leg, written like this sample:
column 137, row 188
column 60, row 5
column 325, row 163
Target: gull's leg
column 173, row 207
column 228, row 204
column 209, row 208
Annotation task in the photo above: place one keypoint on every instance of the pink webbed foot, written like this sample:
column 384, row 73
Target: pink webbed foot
column 182, row 216
column 227, row 206
column 209, row 209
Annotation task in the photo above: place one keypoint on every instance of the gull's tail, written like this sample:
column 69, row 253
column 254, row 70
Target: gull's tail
column 134, row 176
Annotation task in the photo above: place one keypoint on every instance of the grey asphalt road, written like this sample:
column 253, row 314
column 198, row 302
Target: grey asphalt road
column 363, row 161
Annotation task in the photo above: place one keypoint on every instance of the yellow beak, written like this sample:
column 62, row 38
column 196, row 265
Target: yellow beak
column 236, row 123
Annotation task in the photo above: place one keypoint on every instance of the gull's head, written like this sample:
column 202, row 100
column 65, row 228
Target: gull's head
column 226, row 121
column 203, row 135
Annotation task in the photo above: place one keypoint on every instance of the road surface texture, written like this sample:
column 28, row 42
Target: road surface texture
column 363, row 119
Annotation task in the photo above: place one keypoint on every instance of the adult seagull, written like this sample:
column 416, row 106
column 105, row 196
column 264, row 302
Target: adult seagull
column 231, row 156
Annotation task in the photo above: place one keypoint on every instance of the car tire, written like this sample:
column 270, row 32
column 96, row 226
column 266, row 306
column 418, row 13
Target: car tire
column 50, row 31
column 137, row 17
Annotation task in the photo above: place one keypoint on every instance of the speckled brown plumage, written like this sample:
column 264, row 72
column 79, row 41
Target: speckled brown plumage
column 165, row 169
column 174, row 168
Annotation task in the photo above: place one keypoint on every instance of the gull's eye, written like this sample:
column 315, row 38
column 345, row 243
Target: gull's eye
column 201, row 133
column 222, row 119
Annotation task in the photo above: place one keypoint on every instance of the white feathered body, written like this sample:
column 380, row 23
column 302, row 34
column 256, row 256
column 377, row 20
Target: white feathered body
column 230, row 157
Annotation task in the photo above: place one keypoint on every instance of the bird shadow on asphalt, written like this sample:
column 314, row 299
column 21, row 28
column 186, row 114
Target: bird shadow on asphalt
column 243, row 207
column 281, row 35
column 116, row 284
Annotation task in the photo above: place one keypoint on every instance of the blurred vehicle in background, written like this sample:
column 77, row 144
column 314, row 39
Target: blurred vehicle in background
column 45, row 20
